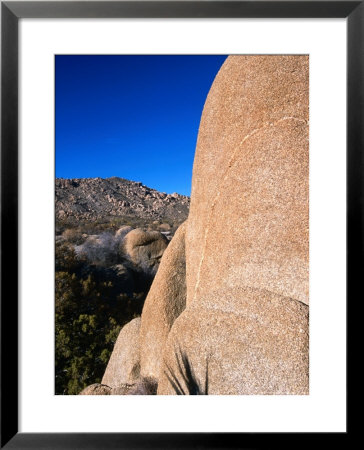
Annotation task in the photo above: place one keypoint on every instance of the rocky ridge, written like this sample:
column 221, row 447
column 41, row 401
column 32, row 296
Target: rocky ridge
column 106, row 198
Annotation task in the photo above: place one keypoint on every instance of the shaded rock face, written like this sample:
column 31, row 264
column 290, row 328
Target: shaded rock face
column 121, row 275
column 245, row 327
column 124, row 278
column 124, row 367
column 129, row 258
column 145, row 248
column 164, row 303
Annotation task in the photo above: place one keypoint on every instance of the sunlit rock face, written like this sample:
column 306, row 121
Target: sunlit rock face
column 227, row 312
column 245, row 327
column 124, row 367
column 249, row 202
column 145, row 248
column 134, row 365
column 164, row 303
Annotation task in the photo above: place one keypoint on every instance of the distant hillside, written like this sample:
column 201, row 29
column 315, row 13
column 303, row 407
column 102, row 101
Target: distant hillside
column 89, row 199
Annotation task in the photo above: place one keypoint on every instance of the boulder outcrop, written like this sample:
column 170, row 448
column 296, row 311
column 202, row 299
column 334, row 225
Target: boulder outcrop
column 245, row 327
column 164, row 303
column 145, row 248
column 133, row 368
column 228, row 309
column 92, row 199
column 257, row 348
column 249, row 200
column 123, row 231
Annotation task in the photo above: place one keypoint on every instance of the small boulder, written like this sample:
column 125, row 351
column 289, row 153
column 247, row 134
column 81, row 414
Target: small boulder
column 145, row 248
column 144, row 386
column 124, row 366
column 164, row 227
column 123, row 231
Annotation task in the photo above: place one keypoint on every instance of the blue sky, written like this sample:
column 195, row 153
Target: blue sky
column 134, row 117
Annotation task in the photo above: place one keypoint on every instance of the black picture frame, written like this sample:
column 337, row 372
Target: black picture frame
column 11, row 12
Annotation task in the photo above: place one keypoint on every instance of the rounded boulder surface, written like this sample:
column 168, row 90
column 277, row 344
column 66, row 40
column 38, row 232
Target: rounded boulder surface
column 123, row 231
column 164, row 303
column 249, row 201
column 245, row 326
column 145, row 248
column 124, row 364
column 259, row 349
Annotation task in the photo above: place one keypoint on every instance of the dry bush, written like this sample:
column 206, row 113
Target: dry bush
column 72, row 235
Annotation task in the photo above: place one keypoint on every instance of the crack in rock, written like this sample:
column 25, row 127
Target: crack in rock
column 217, row 196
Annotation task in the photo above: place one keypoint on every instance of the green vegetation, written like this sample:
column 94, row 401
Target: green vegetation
column 90, row 309
column 98, row 290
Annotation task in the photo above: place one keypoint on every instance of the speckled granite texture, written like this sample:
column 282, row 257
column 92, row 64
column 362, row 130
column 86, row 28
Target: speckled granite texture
column 164, row 303
column 124, row 364
column 245, row 328
column 145, row 247
column 249, row 201
column 258, row 348
column 227, row 313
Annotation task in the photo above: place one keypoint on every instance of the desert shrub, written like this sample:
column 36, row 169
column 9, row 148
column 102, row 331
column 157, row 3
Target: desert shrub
column 72, row 235
column 97, row 291
column 89, row 313
column 105, row 249
column 63, row 224
column 66, row 259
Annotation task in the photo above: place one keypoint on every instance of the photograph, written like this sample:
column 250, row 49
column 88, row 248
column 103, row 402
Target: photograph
column 181, row 207
column 181, row 224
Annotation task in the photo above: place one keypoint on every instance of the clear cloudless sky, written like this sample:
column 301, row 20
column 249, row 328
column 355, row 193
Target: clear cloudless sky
column 134, row 117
